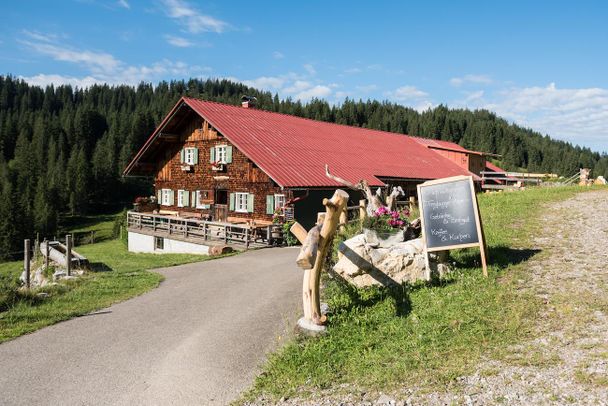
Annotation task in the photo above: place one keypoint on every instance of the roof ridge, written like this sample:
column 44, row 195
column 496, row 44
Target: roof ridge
column 301, row 118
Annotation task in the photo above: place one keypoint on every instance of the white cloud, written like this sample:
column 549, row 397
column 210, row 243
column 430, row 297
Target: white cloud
column 310, row 69
column 105, row 68
column 353, row 70
column 405, row 93
column 124, row 4
column 266, row 82
column 318, row 91
column 277, row 55
column 97, row 61
column 410, row 96
column 475, row 79
column 179, row 42
column 38, row 36
column 44, row 80
column 193, row 20
column 576, row 115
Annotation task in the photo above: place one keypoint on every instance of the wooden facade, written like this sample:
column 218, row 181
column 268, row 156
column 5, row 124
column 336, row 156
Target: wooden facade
column 212, row 185
column 473, row 162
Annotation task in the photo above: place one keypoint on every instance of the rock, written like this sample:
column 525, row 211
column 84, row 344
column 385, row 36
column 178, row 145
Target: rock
column 220, row 250
column 385, row 400
column 364, row 264
column 59, row 274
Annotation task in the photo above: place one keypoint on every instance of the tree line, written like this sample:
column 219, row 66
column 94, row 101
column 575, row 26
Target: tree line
column 63, row 149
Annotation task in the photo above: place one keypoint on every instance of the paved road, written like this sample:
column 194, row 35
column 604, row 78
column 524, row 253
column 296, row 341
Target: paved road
column 196, row 340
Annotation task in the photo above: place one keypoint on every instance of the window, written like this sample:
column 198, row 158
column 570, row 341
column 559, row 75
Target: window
column 220, row 154
column 202, row 195
column 189, row 156
column 183, row 198
column 166, row 197
column 240, row 202
column 159, row 243
column 279, row 201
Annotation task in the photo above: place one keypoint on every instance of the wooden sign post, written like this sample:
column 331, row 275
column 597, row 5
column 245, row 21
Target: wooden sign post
column 450, row 217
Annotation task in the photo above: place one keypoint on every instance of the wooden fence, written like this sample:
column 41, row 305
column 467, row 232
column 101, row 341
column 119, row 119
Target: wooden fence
column 199, row 231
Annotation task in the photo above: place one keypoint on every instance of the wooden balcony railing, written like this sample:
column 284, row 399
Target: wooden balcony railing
column 200, row 231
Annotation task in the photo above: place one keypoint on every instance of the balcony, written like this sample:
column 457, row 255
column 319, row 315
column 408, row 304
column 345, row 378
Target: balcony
column 201, row 231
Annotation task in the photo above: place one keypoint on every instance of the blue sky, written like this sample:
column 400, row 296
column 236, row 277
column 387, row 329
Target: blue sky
column 539, row 64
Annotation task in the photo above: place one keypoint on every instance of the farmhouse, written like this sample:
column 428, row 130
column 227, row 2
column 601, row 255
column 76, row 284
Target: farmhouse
column 215, row 164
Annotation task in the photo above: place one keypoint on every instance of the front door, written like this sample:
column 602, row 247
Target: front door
column 220, row 205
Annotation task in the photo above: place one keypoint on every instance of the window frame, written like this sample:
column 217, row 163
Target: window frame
column 165, row 197
column 240, row 202
column 278, row 197
column 180, row 197
column 189, row 154
column 223, row 149
column 159, row 243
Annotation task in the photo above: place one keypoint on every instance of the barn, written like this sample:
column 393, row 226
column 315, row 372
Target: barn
column 216, row 165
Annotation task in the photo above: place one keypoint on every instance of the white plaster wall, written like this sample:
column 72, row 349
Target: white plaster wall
column 145, row 243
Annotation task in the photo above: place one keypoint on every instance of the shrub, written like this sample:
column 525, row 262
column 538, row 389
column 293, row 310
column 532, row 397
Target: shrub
column 9, row 293
column 290, row 239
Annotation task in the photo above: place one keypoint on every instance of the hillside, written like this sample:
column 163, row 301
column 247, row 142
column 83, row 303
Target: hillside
column 63, row 149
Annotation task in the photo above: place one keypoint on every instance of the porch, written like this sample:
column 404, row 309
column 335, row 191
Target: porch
column 240, row 235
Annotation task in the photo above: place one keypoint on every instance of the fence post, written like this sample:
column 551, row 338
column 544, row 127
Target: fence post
column 68, row 254
column 36, row 247
column 247, row 238
column 47, row 250
column 26, row 262
column 269, row 235
column 362, row 210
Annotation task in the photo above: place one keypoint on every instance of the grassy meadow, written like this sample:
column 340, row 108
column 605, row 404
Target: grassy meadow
column 427, row 334
column 116, row 275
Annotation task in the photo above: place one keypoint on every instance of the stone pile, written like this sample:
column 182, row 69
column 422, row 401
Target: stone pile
column 364, row 263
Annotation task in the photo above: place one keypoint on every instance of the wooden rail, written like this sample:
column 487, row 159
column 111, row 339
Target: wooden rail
column 200, row 231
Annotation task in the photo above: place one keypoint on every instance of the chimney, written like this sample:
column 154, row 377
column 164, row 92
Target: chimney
column 248, row 102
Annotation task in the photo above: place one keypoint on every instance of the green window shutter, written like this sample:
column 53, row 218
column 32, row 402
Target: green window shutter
column 195, row 156
column 159, row 196
column 171, row 197
column 186, row 198
column 249, row 203
column 193, row 199
column 182, row 156
column 232, row 197
column 212, row 155
column 229, row 154
column 269, row 204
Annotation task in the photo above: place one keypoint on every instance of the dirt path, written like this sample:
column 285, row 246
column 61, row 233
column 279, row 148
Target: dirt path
column 568, row 363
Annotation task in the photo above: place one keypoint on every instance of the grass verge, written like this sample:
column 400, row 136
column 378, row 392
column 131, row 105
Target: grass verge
column 423, row 335
column 117, row 275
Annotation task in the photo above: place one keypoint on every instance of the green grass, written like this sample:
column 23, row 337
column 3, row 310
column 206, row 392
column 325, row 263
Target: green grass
column 117, row 275
column 81, row 226
column 424, row 335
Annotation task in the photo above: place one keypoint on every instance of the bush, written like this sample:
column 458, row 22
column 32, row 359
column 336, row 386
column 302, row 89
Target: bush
column 9, row 293
column 290, row 239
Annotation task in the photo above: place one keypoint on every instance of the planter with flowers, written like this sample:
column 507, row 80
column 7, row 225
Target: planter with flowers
column 385, row 228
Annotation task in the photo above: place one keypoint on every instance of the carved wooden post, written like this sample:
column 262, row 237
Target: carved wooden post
column 312, row 255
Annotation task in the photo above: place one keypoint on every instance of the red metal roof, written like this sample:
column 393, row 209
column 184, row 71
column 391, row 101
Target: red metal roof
column 293, row 151
column 491, row 167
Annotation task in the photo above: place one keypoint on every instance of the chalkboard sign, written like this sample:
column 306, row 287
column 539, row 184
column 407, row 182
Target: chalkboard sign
column 449, row 215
